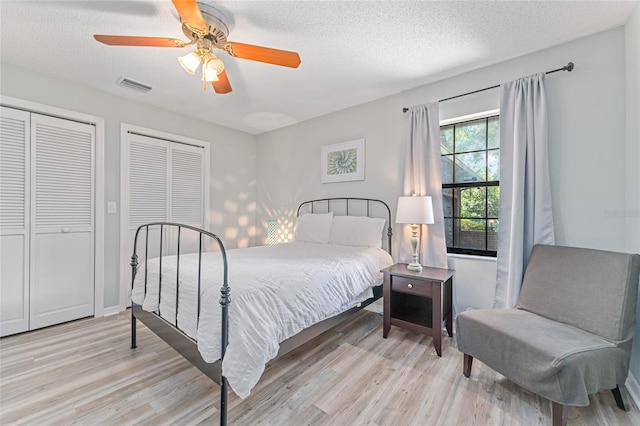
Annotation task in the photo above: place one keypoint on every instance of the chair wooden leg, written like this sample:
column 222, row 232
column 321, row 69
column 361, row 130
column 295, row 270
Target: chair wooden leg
column 466, row 365
column 620, row 395
column 559, row 412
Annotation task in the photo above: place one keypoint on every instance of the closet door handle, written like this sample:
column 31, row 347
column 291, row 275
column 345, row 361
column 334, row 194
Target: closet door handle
column 65, row 230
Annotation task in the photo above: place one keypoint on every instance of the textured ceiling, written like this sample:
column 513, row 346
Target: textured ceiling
column 352, row 51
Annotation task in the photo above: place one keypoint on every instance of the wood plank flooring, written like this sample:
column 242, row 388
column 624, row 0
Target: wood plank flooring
column 84, row 373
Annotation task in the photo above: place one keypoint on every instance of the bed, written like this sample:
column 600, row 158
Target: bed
column 283, row 295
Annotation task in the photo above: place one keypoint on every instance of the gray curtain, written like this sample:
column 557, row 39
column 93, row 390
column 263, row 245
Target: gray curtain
column 422, row 177
column 525, row 216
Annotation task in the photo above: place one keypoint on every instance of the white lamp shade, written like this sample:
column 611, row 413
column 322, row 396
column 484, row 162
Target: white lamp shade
column 212, row 67
column 415, row 210
column 209, row 74
column 212, row 63
column 190, row 62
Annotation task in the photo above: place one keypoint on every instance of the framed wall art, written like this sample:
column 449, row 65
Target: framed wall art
column 342, row 162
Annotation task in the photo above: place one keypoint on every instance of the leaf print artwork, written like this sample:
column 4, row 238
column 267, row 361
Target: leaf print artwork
column 341, row 162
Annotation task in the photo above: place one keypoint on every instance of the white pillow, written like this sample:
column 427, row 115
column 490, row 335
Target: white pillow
column 313, row 228
column 357, row 231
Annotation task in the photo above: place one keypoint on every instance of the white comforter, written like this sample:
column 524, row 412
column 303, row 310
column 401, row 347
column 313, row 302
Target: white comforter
column 276, row 291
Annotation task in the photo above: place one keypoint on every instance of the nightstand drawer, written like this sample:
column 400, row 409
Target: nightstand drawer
column 411, row 286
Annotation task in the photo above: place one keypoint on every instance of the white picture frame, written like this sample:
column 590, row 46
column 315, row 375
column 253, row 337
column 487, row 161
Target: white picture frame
column 342, row 162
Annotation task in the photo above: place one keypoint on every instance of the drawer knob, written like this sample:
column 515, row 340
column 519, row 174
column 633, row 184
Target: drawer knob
column 410, row 285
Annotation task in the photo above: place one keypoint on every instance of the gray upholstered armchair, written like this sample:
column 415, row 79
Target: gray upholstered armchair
column 569, row 335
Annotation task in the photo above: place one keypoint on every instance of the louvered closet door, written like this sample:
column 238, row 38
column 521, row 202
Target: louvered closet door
column 186, row 181
column 14, row 221
column 148, row 189
column 62, row 239
column 165, row 181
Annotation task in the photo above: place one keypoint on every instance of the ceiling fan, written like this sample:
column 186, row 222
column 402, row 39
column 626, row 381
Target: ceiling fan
column 206, row 30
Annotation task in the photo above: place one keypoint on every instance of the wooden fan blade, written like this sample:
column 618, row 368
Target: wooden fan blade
column 222, row 86
column 190, row 14
column 263, row 54
column 115, row 40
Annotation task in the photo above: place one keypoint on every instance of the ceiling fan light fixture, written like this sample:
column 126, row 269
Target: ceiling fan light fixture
column 209, row 75
column 206, row 29
column 190, row 62
column 213, row 64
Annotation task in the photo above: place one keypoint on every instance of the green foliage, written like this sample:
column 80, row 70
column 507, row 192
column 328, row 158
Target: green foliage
column 472, row 204
column 494, row 133
column 471, row 136
column 446, row 139
column 476, row 158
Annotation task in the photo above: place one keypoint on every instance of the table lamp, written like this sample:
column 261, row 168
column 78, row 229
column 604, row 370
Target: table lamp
column 416, row 210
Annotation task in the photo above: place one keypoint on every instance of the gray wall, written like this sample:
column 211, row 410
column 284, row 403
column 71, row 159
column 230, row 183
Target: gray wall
column 586, row 133
column 587, row 137
column 594, row 149
column 632, row 208
column 233, row 157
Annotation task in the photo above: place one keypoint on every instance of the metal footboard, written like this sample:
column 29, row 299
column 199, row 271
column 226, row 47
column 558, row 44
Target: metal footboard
column 171, row 333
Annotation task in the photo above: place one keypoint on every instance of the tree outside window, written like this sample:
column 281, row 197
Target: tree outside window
column 470, row 153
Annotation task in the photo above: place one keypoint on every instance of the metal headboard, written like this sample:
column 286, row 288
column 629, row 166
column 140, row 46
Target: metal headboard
column 311, row 204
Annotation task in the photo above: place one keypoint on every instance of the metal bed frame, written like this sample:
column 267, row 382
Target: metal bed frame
column 187, row 346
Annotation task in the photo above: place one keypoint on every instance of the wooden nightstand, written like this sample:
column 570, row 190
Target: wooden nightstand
column 418, row 301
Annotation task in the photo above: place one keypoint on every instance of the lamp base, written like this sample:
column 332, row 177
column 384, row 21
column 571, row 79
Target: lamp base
column 414, row 267
column 415, row 263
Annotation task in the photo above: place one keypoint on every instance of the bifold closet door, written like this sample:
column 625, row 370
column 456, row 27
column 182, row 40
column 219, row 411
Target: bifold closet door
column 14, row 221
column 145, row 177
column 165, row 182
column 187, row 193
column 62, row 220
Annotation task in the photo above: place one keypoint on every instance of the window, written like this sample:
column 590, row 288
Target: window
column 471, row 185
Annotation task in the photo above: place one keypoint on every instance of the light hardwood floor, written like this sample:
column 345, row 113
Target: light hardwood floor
column 83, row 372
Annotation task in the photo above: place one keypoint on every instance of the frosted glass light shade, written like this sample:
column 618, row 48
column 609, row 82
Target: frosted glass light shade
column 415, row 210
column 212, row 63
column 212, row 67
column 209, row 75
column 190, row 62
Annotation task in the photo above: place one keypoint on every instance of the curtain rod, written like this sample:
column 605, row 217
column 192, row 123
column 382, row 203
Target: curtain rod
column 568, row 67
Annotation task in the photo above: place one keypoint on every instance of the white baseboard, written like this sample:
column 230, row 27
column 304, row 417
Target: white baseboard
column 111, row 310
column 633, row 389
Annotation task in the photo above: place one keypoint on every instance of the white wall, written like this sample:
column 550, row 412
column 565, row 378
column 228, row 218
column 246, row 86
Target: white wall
column 632, row 208
column 586, row 135
column 233, row 157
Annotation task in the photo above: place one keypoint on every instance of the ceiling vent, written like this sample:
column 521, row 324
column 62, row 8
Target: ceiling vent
column 134, row 85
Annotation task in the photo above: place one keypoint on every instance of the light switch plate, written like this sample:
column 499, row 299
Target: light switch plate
column 112, row 207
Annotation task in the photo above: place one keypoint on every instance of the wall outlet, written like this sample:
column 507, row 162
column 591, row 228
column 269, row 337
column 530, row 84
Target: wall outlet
column 112, row 207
